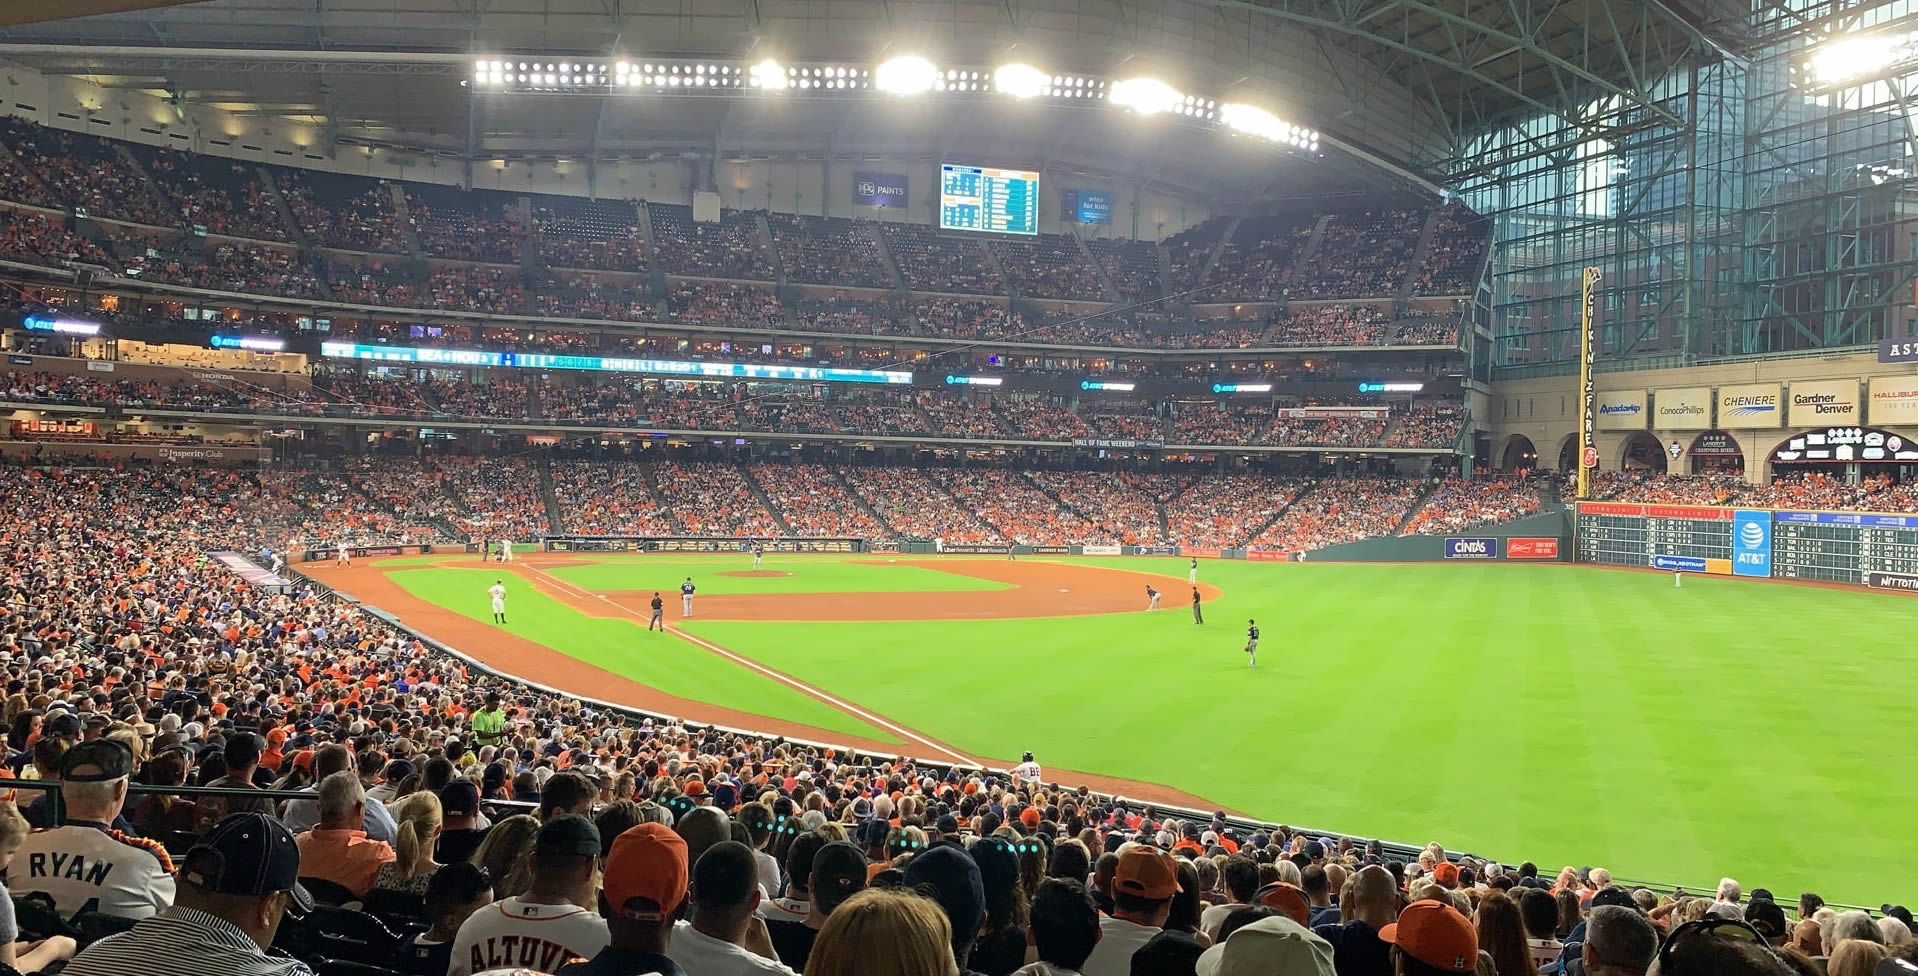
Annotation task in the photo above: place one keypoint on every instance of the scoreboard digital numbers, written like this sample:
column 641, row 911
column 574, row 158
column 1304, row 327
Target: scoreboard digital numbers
column 1683, row 538
column 1847, row 547
column 1001, row 201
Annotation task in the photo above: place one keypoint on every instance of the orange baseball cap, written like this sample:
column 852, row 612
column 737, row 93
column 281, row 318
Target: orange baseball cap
column 1446, row 873
column 1147, row 873
column 1436, row 935
column 1029, row 816
column 645, row 874
column 1287, row 899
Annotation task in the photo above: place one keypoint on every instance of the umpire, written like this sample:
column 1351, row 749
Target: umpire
column 1198, row 616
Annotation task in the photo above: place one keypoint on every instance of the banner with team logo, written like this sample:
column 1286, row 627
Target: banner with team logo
column 1686, row 408
column 1747, row 407
column 1621, row 410
column 1824, row 403
column 1894, row 400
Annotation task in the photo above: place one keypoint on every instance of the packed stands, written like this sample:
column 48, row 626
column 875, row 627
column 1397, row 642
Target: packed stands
column 605, row 498
column 812, row 501
column 1122, row 508
column 1669, row 489
column 1256, row 264
column 859, row 315
column 1228, row 510
column 713, row 498
column 38, row 239
column 343, row 211
column 917, row 507
column 1457, row 250
column 730, row 248
column 225, row 196
column 1331, row 325
column 1200, row 423
column 1189, row 250
column 1336, row 510
column 1363, row 255
column 84, row 173
column 1312, row 431
column 828, row 251
column 930, row 262
column 1427, row 427
column 467, row 225
column 721, row 303
column 1131, row 266
column 1014, row 507
column 494, row 497
column 1455, row 506
column 1037, row 419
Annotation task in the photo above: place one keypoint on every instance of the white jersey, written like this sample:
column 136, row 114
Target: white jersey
column 511, row 932
column 498, row 593
column 90, row 867
column 1026, row 772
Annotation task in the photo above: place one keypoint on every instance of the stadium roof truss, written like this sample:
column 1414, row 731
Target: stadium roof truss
column 1403, row 85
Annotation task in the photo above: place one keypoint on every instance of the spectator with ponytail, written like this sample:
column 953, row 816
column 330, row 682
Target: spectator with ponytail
column 417, row 819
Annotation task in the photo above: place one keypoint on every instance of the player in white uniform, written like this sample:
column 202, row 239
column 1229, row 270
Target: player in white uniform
column 686, row 597
column 1192, row 575
column 1152, row 596
column 506, row 550
column 1027, row 771
column 344, row 557
column 498, row 592
column 87, row 866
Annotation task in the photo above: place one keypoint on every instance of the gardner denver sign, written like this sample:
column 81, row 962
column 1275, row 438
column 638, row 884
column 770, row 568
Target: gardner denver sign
column 1824, row 403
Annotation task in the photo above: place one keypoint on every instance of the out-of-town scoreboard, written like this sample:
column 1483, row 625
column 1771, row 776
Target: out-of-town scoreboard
column 1879, row 550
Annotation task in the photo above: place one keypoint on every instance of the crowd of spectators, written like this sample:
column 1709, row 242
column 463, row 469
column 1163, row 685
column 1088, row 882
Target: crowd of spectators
column 1457, row 505
column 1808, row 491
column 877, row 414
column 721, row 303
column 33, row 238
column 493, row 497
column 1204, row 423
column 357, row 215
column 828, row 251
column 1204, row 331
column 225, row 196
column 713, row 498
column 931, row 262
column 964, row 418
column 1048, row 266
column 1014, row 507
column 1188, row 251
column 1326, row 432
column 814, row 502
column 1036, row 419
column 1132, row 267
column 1122, row 508
column 916, row 507
column 1339, row 510
column 601, row 235
column 86, row 173
column 1362, row 255
column 624, row 403
column 1427, row 426
column 729, row 248
column 1457, row 249
column 1654, row 487
column 1226, row 511
column 1256, row 264
column 475, row 288
column 233, row 266
column 608, row 498
column 586, row 296
column 1331, row 325
column 482, row 229
column 856, row 314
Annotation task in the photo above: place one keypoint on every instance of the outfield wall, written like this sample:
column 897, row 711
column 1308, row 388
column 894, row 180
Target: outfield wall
column 1874, row 549
column 1546, row 537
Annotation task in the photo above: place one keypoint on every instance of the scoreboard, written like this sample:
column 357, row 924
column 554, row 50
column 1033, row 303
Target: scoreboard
column 1872, row 549
column 1691, row 538
column 1846, row 547
column 1003, row 201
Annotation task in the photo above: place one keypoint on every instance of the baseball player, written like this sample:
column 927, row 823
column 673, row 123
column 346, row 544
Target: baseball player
column 279, row 563
column 1152, row 598
column 344, row 557
column 1009, row 554
column 759, row 552
column 1251, row 643
column 498, row 592
column 1027, row 771
column 506, row 550
column 486, row 549
column 1192, row 575
column 1198, row 616
column 686, row 597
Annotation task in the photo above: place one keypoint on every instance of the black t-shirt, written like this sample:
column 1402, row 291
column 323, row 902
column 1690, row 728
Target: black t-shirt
column 658, row 604
column 458, row 845
column 430, row 959
column 792, row 941
column 1252, row 633
column 1357, row 949
column 614, row 961
column 999, row 953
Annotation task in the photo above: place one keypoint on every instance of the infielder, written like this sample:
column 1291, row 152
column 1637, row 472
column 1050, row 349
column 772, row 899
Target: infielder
column 1152, row 597
column 344, row 557
column 1251, row 643
column 759, row 552
column 659, row 614
column 506, row 550
column 686, row 597
column 1192, row 575
column 498, row 592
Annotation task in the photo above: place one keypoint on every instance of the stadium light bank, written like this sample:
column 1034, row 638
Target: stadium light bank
column 904, row 76
column 1843, row 60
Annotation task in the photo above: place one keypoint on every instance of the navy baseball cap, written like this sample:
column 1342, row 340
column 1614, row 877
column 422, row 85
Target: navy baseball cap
column 98, row 761
column 247, row 854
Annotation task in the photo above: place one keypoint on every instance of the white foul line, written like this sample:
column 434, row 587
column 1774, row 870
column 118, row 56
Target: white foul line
column 843, row 706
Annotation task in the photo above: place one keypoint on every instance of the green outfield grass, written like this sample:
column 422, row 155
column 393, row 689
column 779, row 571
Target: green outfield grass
column 622, row 645
column 1564, row 715
column 809, row 574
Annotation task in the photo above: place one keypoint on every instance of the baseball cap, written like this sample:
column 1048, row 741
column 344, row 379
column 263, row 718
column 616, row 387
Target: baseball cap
column 1614, row 895
column 1767, row 918
column 568, row 833
column 1170, row 951
column 459, row 798
column 950, row 876
column 1899, row 912
column 64, row 725
column 99, row 761
column 1270, row 945
column 838, row 872
column 1436, row 935
column 645, row 875
column 1146, row 873
column 247, row 854
column 1287, row 898
column 1446, row 873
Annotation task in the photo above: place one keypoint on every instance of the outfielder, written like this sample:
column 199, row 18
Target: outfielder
column 1152, row 596
column 1251, row 643
column 498, row 592
column 759, row 552
column 686, row 597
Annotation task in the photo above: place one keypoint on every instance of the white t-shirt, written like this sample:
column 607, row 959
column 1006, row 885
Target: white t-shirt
column 784, row 910
column 768, row 875
column 1118, row 940
column 1212, row 918
column 700, row 954
column 512, row 932
column 88, row 867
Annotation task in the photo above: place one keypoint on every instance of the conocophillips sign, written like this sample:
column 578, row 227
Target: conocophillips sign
column 1687, row 408
column 1621, row 410
column 1749, row 406
column 1824, row 403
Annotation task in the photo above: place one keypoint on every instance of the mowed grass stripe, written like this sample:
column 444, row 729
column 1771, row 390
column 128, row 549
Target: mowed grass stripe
column 1567, row 715
column 622, row 646
column 807, row 574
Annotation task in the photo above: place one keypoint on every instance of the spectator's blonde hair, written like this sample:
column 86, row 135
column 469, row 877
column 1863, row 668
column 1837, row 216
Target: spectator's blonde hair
column 506, row 854
column 1854, row 957
column 884, row 931
column 416, row 821
column 13, row 827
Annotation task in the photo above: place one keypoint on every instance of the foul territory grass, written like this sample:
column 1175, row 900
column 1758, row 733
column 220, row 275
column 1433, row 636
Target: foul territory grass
column 1565, row 715
column 806, row 574
column 621, row 645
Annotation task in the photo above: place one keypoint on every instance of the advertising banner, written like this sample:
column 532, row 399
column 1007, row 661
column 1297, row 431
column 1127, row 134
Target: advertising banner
column 1891, row 581
column 1903, row 350
column 1621, row 410
column 1867, row 444
column 1824, row 403
column 1751, row 543
column 1050, row 550
column 871, row 189
column 1894, row 400
column 1324, row 413
column 1267, row 556
column 1685, row 408
column 1750, row 406
column 1201, row 553
column 1155, row 550
column 1100, row 550
column 1681, row 564
column 1457, row 547
column 1715, row 443
column 1085, row 206
column 1544, row 547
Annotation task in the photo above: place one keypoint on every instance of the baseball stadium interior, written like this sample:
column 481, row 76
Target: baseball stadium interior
column 1537, row 381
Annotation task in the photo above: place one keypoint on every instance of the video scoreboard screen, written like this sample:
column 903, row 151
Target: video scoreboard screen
column 1676, row 537
column 1003, row 201
column 1846, row 547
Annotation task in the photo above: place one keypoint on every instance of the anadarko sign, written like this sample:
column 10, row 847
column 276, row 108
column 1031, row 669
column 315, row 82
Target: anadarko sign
column 1686, row 408
column 1621, row 410
column 1750, row 406
column 1824, row 403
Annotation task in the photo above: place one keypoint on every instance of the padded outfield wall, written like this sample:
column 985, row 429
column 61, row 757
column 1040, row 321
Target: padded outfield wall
column 1544, row 538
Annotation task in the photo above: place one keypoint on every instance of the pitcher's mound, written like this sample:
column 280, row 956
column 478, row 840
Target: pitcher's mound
column 753, row 573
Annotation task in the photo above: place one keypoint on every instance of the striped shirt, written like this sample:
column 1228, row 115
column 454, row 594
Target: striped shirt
column 182, row 942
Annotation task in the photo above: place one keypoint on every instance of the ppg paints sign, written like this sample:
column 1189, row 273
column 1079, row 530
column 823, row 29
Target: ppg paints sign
column 1622, row 410
column 1824, row 403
